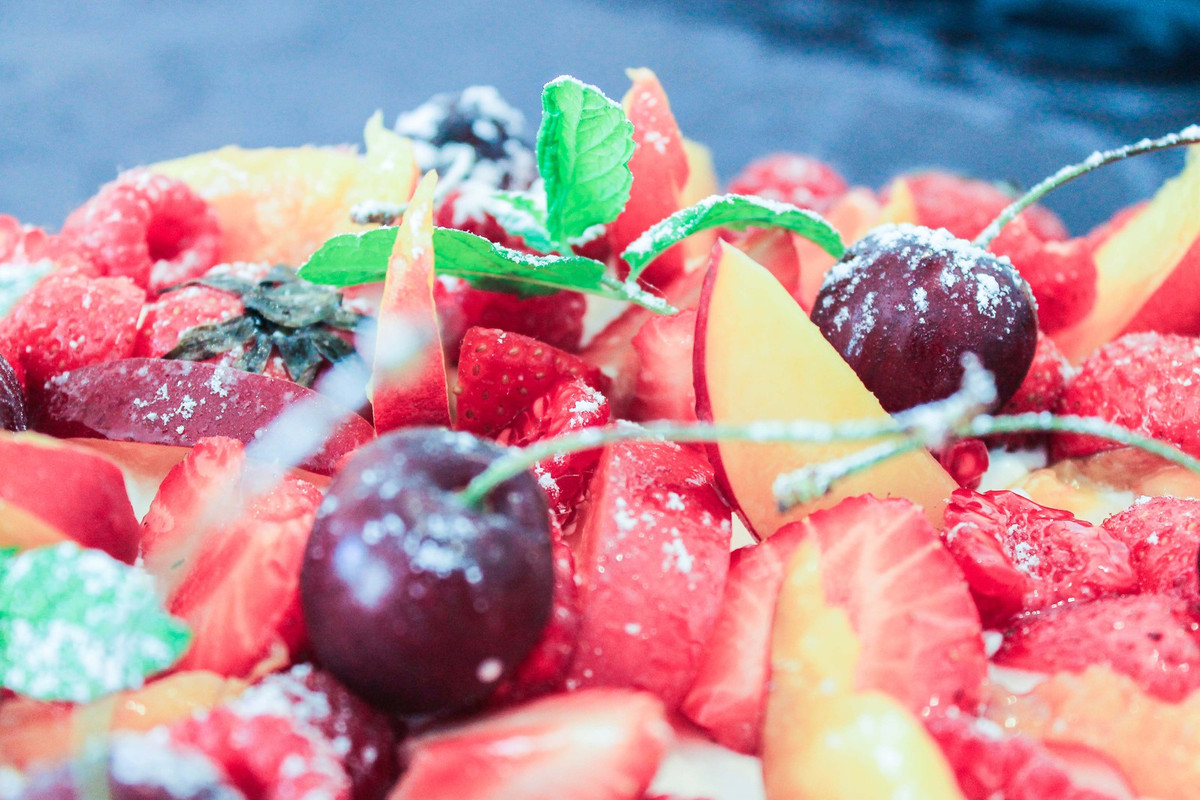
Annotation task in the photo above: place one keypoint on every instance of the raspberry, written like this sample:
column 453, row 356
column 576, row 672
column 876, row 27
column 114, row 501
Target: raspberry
column 150, row 228
column 1163, row 535
column 1043, row 385
column 791, row 178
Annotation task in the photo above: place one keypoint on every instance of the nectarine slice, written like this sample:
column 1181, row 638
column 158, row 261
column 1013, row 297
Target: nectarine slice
column 1139, row 260
column 759, row 357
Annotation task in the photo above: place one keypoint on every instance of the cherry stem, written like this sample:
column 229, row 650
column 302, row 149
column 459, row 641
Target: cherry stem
column 1189, row 135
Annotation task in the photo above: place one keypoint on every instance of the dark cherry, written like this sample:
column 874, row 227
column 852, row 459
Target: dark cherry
column 416, row 601
column 905, row 305
column 138, row 767
column 13, row 414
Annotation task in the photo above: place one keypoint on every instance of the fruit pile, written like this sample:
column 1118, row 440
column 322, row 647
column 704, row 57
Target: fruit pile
column 323, row 476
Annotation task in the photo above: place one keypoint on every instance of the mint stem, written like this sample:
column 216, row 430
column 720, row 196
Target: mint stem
column 1189, row 135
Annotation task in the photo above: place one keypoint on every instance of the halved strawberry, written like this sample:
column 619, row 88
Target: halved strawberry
column 597, row 744
column 1062, row 274
column 266, row 756
column 500, row 374
column 231, row 559
column 1141, row 381
column 991, row 763
column 728, row 698
column 556, row 319
column 652, row 552
column 1018, row 555
column 921, row 640
column 665, row 388
column 1163, row 536
column 1146, row 636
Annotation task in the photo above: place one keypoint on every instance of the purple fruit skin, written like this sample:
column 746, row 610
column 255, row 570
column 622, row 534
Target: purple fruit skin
column 13, row 414
column 416, row 602
column 905, row 305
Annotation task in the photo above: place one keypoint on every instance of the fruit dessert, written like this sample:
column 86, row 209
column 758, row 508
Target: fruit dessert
column 469, row 466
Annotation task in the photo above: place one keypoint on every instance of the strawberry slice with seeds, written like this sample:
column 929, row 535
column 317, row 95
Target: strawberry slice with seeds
column 597, row 744
column 1148, row 637
column 500, row 374
column 1163, row 536
column 652, row 550
column 665, row 386
column 556, row 319
column 1018, row 555
column 907, row 602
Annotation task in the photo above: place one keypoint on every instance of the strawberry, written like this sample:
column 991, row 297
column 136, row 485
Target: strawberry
column 556, row 319
column 1163, row 536
column 1141, row 381
column 232, row 560
column 68, row 321
column 728, row 697
column 665, row 389
column 363, row 739
column 906, row 600
column 266, row 756
column 598, row 744
column 791, row 178
column 1061, row 274
column 1020, row 556
column 500, row 374
column 149, row 228
column 652, row 551
column 173, row 313
column 568, row 407
column 965, row 206
column 990, row 763
column 1148, row 637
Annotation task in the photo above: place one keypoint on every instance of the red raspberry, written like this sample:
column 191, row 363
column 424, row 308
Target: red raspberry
column 1142, row 381
column 68, row 321
column 791, row 178
column 150, row 228
column 556, row 319
column 1163, row 536
column 27, row 244
column 1020, row 556
column 1043, row 385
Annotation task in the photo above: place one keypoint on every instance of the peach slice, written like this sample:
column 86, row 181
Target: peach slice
column 701, row 182
column 1151, row 262
column 409, row 373
column 280, row 204
column 822, row 738
column 759, row 357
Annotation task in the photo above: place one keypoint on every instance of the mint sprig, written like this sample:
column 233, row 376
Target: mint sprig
column 729, row 211
column 584, row 145
column 76, row 624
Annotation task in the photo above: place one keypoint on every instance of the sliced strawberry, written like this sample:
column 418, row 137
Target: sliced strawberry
column 363, row 739
column 1141, row 381
column 1018, row 555
column 652, row 551
column 991, row 763
column 266, row 756
column 728, row 697
column 598, row 744
column 556, row 319
column 665, row 388
column 1146, row 636
column 232, row 560
column 965, row 206
column 500, row 374
column 68, row 321
column 1062, row 274
column 908, row 604
column 791, row 178
column 568, row 407
column 1163, row 536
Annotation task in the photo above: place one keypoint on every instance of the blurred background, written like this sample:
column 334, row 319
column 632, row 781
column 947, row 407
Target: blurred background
column 1001, row 89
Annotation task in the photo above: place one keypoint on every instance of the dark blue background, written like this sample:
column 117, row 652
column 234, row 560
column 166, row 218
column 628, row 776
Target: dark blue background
column 1004, row 89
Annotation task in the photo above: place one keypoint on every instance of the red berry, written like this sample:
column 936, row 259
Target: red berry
column 166, row 319
column 556, row 319
column 1021, row 556
column 1043, row 385
column 1163, row 536
column 1142, row 381
column 791, row 178
column 965, row 206
column 665, row 386
column 1061, row 274
column 150, row 228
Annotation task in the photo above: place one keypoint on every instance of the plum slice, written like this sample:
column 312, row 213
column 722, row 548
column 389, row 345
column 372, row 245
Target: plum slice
column 157, row 401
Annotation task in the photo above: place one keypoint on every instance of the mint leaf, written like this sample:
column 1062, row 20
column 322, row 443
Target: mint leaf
column 76, row 624
column 729, row 211
column 351, row 258
column 583, row 149
column 522, row 214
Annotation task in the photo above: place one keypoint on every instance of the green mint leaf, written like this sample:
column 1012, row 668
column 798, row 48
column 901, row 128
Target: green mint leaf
column 522, row 214
column 479, row 260
column 729, row 211
column 76, row 624
column 351, row 258
column 584, row 145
